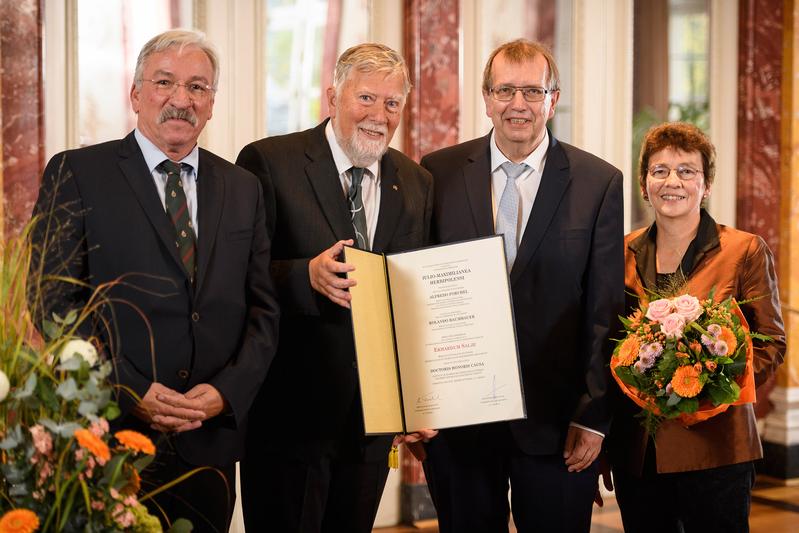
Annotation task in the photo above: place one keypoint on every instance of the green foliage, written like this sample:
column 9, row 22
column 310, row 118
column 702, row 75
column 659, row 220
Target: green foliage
column 57, row 396
column 680, row 368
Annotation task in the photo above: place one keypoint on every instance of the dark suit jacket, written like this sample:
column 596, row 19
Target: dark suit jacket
column 113, row 227
column 731, row 263
column 312, row 387
column 567, row 280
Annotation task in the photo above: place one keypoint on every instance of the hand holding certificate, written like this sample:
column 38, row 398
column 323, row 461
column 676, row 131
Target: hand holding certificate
column 434, row 337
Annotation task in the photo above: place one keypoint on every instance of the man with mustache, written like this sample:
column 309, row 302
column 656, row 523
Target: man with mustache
column 179, row 234
column 560, row 211
column 309, row 466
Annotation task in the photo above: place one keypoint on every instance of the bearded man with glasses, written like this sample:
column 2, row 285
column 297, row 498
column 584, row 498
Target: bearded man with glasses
column 560, row 211
column 179, row 235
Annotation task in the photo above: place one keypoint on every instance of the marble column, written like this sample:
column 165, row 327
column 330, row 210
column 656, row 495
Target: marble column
column 431, row 122
column 21, row 105
column 431, row 49
column 781, row 437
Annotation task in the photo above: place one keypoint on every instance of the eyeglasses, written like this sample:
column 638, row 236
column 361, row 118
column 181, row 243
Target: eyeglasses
column 505, row 93
column 684, row 172
column 197, row 91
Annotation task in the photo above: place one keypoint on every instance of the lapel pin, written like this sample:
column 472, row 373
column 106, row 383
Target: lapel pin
column 395, row 187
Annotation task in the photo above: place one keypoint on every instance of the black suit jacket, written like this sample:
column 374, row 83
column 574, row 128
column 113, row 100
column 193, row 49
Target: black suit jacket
column 312, row 387
column 106, row 224
column 567, row 280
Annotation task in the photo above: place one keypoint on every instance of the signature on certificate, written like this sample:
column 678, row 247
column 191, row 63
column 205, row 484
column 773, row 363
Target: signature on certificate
column 495, row 388
column 427, row 398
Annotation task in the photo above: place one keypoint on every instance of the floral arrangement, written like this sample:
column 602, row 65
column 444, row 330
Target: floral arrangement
column 685, row 359
column 62, row 469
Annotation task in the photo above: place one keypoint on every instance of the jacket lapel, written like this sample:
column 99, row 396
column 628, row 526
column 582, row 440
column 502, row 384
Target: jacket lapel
column 210, row 199
column 643, row 249
column 322, row 174
column 554, row 183
column 477, row 179
column 390, row 203
column 134, row 169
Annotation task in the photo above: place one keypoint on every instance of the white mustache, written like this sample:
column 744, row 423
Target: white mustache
column 374, row 126
column 181, row 114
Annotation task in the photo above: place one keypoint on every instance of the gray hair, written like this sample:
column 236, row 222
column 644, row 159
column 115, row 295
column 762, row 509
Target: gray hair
column 368, row 58
column 176, row 38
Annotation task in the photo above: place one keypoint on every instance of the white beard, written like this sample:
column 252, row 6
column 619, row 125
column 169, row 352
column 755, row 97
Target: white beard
column 363, row 152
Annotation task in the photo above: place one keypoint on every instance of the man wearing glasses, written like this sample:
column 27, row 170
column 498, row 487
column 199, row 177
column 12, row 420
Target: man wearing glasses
column 560, row 211
column 179, row 234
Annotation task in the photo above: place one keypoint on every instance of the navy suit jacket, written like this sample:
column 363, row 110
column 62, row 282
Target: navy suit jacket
column 567, row 281
column 104, row 223
column 311, row 391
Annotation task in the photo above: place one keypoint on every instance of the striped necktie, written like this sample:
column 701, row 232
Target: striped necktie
column 178, row 210
column 355, row 198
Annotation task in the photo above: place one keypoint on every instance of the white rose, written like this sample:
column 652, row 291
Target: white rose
column 80, row 347
column 4, row 385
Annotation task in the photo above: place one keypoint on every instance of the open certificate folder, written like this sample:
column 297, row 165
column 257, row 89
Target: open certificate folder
column 434, row 337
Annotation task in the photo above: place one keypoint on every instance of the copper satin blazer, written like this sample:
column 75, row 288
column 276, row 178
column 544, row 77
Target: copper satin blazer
column 737, row 264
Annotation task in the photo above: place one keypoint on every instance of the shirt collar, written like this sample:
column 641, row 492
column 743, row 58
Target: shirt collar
column 153, row 156
column 535, row 160
column 341, row 159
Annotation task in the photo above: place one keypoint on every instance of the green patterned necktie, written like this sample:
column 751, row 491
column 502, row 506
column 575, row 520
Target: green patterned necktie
column 178, row 210
column 355, row 197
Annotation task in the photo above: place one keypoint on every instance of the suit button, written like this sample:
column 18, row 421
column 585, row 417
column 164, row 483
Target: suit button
column 183, row 374
column 195, row 317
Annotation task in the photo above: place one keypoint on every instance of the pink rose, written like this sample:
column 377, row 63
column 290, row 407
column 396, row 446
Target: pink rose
column 688, row 306
column 672, row 326
column 659, row 309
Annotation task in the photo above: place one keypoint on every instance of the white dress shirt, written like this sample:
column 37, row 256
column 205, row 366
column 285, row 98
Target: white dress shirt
column 370, row 186
column 527, row 183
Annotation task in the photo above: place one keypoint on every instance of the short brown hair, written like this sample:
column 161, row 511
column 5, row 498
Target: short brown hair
column 678, row 136
column 522, row 50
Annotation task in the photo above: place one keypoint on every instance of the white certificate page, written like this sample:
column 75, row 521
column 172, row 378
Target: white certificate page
column 456, row 342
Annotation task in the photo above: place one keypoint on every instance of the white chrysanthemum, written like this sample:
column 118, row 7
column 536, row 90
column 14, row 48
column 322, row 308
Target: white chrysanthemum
column 4, row 386
column 79, row 347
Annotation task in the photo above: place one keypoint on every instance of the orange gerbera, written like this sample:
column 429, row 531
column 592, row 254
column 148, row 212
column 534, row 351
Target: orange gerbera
column 134, row 480
column 628, row 351
column 19, row 521
column 685, row 381
column 93, row 443
column 728, row 336
column 135, row 441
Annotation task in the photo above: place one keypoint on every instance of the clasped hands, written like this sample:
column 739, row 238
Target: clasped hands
column 170, row 411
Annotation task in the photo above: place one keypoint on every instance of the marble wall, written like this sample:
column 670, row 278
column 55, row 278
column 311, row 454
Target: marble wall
column 431, row 49
column 759, row 120
column 21, row 105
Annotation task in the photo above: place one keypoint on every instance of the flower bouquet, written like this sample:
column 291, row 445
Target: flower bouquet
column 61, row 468
column 685, row 359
